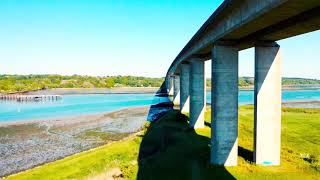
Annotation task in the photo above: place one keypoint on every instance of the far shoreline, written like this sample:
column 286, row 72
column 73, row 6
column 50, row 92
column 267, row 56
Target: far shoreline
column 116, row 90
column 139, row 90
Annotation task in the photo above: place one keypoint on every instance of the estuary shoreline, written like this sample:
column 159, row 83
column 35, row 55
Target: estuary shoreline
column 26, row 144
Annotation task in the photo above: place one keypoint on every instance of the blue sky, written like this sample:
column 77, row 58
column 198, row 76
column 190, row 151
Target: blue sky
column 120, row 37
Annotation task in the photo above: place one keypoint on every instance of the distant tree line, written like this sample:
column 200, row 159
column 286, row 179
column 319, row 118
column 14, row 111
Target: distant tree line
column 249, row 81
column 22, row 83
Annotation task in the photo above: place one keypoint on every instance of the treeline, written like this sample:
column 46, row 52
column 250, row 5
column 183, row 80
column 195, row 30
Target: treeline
column 243, row 82
column 299, row 81
column 249, row 81
column 22, row 83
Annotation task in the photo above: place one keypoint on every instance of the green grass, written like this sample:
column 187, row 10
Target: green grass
column 168, row 149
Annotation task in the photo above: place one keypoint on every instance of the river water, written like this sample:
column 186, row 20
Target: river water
column 72, row 105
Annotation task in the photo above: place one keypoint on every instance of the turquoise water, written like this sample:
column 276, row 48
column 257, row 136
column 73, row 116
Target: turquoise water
column 90, row 104
column 73, row 105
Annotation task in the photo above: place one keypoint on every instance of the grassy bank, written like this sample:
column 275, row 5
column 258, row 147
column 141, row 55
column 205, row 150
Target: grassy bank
column 168, row 149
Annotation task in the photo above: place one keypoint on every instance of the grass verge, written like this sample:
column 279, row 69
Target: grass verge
column 168, row 149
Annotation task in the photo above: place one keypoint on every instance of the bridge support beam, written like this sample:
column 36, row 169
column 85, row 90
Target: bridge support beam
column 176, row 90
column 267, row 104
column 184, row 88
column 224, row 125
column 170, row 85
column 197, row 93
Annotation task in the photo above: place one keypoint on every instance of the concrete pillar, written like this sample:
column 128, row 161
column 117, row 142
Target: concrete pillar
column 224, row 125
column 170, row 85
column 184, row 88
column 267, row 104
column 176, row 90
column 197, row 93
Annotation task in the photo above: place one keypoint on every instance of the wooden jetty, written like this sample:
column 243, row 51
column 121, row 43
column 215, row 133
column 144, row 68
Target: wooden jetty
column 20, row 98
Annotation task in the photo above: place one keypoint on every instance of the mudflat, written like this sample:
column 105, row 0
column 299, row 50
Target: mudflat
column 26, row 144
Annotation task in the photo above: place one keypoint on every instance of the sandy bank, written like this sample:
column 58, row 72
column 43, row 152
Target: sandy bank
column 302, row 104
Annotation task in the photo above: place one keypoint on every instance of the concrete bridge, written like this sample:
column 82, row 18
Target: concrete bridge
column 234, row 26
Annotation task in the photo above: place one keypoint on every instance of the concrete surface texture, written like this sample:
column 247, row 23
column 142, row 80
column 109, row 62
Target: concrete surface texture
column 267, row 105
column 224, row 146
column 197, row 93
column 170, row 86
column 176, row 90
column 184, row 88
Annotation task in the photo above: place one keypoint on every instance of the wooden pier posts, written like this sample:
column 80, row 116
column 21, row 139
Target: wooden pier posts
column 20, row 98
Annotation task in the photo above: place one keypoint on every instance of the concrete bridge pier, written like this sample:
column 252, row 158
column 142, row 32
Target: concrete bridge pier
column 197, row 93
column 170, row 85
column 184, row 88
column 224, row 125
column 267, row 104
column 176, row 90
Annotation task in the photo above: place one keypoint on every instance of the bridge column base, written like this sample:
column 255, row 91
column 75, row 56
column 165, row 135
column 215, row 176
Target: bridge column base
column 184, row 88
column 170, row 85
column 197, row 93
column 267, row 105
column 176, row 90
column 224, row 107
